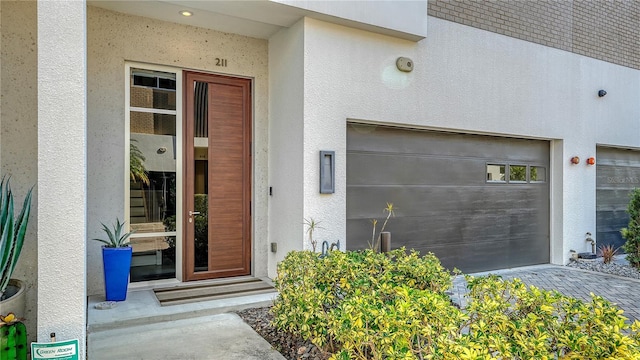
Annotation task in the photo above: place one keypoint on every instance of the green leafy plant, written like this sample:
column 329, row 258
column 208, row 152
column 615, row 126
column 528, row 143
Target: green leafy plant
column 607, row 252
column 115, row 236
column 632, row 232
column 314, row 292
column 12, row 232
column 367, row 305
column 312, row 226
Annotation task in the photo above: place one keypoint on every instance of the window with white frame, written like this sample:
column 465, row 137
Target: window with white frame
column 152, row 192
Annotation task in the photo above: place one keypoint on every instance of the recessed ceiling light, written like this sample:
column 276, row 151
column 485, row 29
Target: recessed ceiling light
column 186, row 13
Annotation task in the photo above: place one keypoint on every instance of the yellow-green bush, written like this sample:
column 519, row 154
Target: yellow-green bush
column 364, row 305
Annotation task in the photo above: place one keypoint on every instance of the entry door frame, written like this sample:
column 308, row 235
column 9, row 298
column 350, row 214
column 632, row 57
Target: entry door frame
column 188, row 266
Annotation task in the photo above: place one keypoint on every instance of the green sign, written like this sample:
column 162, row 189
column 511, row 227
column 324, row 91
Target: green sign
column 62, row 350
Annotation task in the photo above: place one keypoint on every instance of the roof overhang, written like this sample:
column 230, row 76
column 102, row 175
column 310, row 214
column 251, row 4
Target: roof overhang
column 405, row 19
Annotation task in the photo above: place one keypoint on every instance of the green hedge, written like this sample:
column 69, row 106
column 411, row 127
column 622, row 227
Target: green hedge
column 365, row 305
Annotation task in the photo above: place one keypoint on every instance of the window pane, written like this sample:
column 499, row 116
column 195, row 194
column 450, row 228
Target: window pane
column 153, row 89
column 538, row 174
column 518, row 173
column 153, row 203
column 153, row 258
column 153, row 98
column 496, row 173
column 150, row 123
column 152, row 170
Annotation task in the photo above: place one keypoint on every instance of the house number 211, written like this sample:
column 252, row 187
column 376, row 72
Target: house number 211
column 221, row 62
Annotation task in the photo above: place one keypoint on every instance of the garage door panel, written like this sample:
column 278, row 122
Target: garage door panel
column 369, row 201
column 437, row 183
column 461, row 227
column 611, row 200
column 379, row 169
column 485, row 258
column 617, row 174
column 392, row 140
column 474, row 253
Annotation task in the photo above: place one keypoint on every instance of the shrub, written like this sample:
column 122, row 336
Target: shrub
column 607, row 252
column 632, row 232
column 365, row 305
column 313, row 290
column 512, row 321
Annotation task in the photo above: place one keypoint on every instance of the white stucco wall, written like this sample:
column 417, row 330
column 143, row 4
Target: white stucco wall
column 402, row 18
column 286, row 114
column 114, row 38
column 467, row 80
column 62, row 170
column 18, row 131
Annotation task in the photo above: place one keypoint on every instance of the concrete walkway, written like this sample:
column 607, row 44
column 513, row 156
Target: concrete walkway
column 213, row 337
column 139, row 328
column 622, row 291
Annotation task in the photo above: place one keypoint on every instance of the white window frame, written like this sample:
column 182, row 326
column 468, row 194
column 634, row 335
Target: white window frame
column 179, row 156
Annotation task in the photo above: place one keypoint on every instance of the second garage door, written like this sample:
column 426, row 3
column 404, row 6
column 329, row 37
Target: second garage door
column 617, row 174
column 477, row 202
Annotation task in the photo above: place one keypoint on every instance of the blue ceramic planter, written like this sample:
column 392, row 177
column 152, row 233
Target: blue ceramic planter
column 117, row 262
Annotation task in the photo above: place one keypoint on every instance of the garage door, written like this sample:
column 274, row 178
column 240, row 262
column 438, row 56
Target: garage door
column 477, row 202
column 617, row 173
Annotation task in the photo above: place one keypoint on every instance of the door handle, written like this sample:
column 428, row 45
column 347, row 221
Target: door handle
column 191, row 213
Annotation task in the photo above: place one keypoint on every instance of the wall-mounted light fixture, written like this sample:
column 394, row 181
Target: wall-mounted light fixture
column 327, row 172
column 575, row 160
column 591, row 161
column 404, row 64
column 601, row 93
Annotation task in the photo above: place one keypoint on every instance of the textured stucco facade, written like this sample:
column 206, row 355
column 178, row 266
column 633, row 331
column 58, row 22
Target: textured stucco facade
column 115, row 38
column 523, row 69
column 62, row 170
column 19, row 126
column 471, row 81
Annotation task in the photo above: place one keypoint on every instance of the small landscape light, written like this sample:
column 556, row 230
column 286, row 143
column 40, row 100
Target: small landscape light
column 186, row 13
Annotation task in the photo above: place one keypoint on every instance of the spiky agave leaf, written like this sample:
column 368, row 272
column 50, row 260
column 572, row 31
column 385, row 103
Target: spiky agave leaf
column 20, row 230
column 115, row 239
column 12, row 232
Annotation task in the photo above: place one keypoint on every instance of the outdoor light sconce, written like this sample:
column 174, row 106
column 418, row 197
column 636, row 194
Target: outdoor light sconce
column 601, row 93
column 575, row 160
column 404, row 64
column 591, row 161
column 327, row 172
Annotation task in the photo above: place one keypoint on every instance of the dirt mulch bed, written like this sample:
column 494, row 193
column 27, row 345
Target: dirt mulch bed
column 290, row 346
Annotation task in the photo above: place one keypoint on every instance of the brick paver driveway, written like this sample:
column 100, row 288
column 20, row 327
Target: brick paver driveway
column 573, row 282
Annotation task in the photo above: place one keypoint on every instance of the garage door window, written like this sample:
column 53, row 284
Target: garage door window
column 496, row 173
column 517, row 173
column 538, row 174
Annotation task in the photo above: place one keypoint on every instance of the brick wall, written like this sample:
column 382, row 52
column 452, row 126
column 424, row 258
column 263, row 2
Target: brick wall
column 608, row 30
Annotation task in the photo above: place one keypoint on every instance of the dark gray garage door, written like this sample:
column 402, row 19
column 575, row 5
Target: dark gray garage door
column 617, row 173
column 477, row 202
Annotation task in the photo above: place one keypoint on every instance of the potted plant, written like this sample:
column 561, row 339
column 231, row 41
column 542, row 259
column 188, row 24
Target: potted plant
column 116, row 261
column 12, row 233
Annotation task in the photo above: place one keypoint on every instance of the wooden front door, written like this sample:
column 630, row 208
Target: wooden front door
column 217, row 176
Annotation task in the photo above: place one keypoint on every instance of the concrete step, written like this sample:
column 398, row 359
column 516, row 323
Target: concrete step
column 142, row 308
